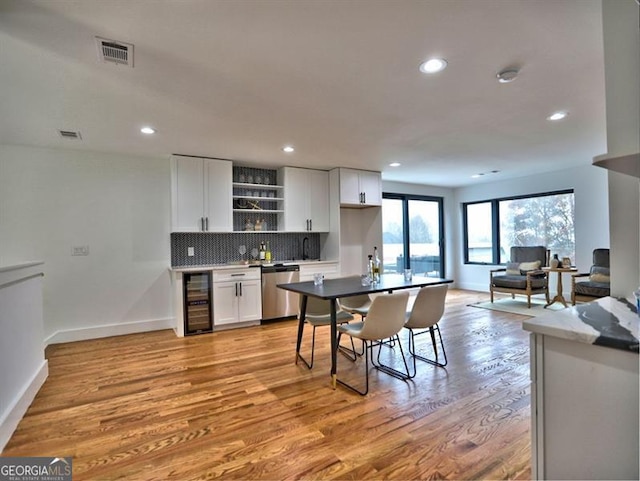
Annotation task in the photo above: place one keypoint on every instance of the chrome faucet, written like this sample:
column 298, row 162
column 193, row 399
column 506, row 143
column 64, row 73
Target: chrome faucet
column 305, row 248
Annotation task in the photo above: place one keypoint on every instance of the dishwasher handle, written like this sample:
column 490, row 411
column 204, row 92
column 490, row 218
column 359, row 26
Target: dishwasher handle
column 280, row 268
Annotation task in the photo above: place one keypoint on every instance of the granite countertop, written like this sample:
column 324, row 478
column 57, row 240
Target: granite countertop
column 238, row 265
column 608, row 322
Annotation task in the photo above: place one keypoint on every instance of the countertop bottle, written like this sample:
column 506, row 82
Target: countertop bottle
column 376, row 265
column 267, row 254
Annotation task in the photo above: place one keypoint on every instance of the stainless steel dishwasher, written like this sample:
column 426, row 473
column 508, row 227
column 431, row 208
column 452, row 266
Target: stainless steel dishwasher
column 276, row 302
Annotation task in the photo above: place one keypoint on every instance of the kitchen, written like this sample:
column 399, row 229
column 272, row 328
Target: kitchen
column 217, row 207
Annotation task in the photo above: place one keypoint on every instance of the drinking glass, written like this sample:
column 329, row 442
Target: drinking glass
column 408, row 275
column 318, row 279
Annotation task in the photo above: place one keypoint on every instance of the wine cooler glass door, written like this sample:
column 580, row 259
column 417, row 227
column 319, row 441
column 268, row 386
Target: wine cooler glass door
column 197, row 303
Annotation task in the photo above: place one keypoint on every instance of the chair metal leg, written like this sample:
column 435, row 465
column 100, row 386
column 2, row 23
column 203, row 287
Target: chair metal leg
column 313, row 345
column 349, row 353
column 388, row 369
column 366, row 373
column 412, row 348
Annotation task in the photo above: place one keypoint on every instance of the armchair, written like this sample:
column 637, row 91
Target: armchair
column 523, row 275
column 594, row 284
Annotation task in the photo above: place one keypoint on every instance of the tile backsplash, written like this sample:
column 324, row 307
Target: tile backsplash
column 218, row 248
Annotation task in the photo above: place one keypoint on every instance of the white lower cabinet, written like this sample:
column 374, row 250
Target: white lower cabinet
column 329, row 270
column 584, row 410
column 237, row 296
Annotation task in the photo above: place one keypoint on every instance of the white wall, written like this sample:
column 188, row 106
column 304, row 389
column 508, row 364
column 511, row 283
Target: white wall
column 360, row 231
column 118, row 205
column 622, row 69
column 591, row 209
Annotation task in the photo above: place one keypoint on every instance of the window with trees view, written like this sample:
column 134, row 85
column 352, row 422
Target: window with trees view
column 492, row 227
column 412, row 234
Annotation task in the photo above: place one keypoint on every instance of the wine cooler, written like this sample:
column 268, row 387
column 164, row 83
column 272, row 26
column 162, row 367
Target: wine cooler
column 197, row 303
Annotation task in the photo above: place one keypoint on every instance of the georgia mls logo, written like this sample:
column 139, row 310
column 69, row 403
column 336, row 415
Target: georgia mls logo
column 36, row 469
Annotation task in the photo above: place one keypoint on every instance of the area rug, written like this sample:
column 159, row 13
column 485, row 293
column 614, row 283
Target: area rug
column 519, row 306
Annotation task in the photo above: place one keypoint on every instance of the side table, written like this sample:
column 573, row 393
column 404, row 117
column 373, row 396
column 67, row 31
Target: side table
column 559, row 270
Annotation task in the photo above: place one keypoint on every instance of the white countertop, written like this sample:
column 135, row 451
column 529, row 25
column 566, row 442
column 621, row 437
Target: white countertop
column 213, row 267
column 608, row 322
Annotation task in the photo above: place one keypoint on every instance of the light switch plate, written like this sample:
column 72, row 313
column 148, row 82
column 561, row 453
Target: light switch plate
column 191, row 251
column 80, row 250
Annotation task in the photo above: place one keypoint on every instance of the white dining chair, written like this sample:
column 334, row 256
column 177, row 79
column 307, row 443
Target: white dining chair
column 425, row 314
column 318, row 313
column 385, row 320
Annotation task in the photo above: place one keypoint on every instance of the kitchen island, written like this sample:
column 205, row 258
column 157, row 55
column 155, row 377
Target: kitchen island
column 584, row 391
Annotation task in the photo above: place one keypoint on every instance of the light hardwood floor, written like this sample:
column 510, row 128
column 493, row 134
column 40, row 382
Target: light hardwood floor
column 234, row 405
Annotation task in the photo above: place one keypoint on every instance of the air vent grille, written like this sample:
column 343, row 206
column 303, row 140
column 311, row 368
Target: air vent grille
column 70, row 134
column 112, row 51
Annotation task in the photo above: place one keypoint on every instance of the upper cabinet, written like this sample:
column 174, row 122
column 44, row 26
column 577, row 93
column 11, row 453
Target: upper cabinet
column 360, row 188
column 306, row 200
column 201, row 195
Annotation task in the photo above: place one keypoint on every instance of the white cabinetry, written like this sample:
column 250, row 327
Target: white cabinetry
column 200, row 195
column 328, row 269
column 306, row 200
column 237, row 296
column 360, row 188
column 584, row 396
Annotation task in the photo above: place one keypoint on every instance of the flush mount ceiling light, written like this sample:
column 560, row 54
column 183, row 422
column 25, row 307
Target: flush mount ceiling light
column 148, row 130
column 288, row 149
column 395, row 164
column 433, row 65
column 506, row 76
column 557, row 115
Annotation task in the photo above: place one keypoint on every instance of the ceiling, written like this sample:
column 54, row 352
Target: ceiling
column 338, row 79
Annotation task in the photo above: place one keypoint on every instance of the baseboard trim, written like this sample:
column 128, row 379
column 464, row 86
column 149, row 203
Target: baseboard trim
column 108, row 330
column 14, row 414
column 473, row 287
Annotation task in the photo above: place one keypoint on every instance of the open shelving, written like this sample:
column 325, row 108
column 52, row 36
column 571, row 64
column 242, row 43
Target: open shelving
column 256, row 201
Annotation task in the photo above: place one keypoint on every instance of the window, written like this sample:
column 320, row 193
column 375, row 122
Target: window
column 492, row 227
column 412, row 234
column 480, row 243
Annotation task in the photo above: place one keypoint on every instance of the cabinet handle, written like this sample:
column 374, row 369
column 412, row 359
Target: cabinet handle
column 236, row 289
column 240, row 288
column 206, row 224
column 238, row 275
column 310, row 224
column 364, row 197
column 201, row 223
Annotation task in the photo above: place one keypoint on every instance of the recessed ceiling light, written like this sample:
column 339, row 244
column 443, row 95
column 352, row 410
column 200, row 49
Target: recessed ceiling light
column 507, row 76
column 148, row 130
column 288, row 149
column 433, row 65
column 557, row 116
column 395, row 164
column 475, row 176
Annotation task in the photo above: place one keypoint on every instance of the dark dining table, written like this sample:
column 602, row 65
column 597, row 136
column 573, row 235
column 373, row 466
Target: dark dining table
column 333, row 289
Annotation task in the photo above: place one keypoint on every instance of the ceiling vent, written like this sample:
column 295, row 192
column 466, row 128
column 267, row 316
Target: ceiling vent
column 70, row 134
column 112, row 51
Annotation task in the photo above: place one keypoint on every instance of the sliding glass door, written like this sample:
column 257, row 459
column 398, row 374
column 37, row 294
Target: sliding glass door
column 412, row 234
